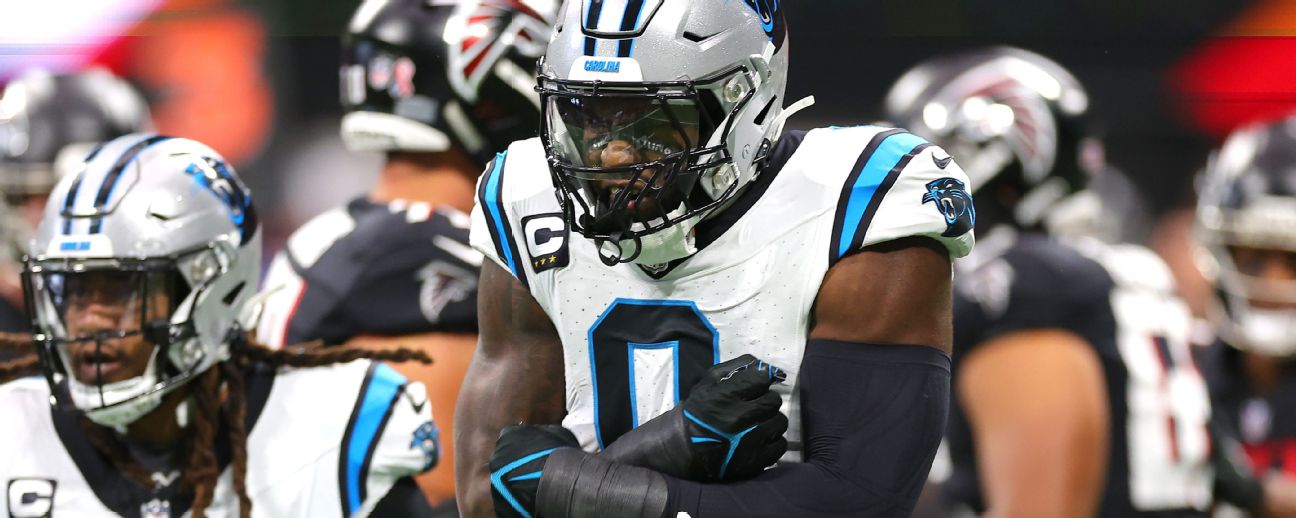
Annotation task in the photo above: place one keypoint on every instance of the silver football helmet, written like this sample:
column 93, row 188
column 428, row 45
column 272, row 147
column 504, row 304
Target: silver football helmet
column 1246, row 211
column 154, row 242
column 656, row 113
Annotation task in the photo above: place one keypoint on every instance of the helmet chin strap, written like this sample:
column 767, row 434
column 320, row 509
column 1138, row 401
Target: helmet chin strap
column 663, row 246
column 776, row 127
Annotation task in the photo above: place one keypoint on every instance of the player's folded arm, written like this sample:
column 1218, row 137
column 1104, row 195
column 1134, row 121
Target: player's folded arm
column 874, row 384
column 515, row 376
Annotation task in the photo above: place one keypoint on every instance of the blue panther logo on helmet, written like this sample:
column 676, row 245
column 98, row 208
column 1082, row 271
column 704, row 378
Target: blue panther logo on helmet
column 771, row 17
column 954, row 202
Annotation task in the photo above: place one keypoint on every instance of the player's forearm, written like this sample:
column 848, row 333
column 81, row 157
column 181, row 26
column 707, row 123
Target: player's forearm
column 515, row 377
column 873, row 417
column 474, row 443
column 492, row 398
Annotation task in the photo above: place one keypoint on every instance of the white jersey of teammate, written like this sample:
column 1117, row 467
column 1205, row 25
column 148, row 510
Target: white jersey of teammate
column 635, row 340
column 323, row 441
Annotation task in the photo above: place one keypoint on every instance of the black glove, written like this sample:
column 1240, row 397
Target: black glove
column 729, row 428
column 516, row 465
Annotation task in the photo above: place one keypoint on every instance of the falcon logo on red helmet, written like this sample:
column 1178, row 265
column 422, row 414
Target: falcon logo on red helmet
column 481, row 32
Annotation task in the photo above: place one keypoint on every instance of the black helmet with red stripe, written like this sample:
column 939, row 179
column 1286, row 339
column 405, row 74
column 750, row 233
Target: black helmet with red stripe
column 1015, row 120
column 437, row 75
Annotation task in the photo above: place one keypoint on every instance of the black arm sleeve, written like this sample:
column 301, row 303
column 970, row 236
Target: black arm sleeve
column 872, row 417
column 403, row 499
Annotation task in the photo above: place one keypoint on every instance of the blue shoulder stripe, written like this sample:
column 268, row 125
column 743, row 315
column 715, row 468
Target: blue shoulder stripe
column 491, row 200
column 378, row 393
column 875, row 172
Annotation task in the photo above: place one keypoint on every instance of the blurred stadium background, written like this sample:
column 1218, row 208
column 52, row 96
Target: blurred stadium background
column 257, row 79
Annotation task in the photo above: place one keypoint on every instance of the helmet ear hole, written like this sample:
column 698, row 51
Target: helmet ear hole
column 760, row 117
column 233, row 294
column 712, row 112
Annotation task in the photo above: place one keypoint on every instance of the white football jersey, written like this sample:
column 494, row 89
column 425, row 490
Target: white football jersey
column 324, row 441
column 635, row 342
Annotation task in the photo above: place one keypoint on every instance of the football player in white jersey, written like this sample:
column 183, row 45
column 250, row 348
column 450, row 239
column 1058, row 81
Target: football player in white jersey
column 663, row 224
column 436, row 87
column 153, row 401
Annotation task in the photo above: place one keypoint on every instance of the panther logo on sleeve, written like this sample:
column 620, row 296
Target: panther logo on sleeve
column 427, row 438
column 954, row 202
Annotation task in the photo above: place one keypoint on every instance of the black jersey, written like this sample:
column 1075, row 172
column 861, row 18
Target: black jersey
column 1119, row 300
column 372, row 269
column 1264, row 422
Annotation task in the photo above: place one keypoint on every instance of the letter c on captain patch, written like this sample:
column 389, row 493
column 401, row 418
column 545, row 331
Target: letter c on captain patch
column 31, row 497
column 546, row 240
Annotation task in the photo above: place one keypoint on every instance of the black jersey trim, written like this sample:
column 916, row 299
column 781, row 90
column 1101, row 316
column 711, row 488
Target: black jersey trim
column 373, row 445
column 378, row 393
column 882, row 190
column 876, row 170
column 346, row 441
column 257, row 381
column 122, row 494
column 490, row 197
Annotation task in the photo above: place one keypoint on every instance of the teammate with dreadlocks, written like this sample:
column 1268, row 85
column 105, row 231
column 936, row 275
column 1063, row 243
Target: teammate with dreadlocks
column 136, row 281
column 438, row 87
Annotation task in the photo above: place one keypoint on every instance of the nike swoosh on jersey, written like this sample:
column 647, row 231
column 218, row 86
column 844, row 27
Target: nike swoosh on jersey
column 941, row 162
column 464, row 252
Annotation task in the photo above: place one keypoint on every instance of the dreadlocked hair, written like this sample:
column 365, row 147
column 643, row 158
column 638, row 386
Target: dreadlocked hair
column 27, row 364
column 219, row 392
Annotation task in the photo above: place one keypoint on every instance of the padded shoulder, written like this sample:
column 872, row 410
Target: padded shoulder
column 516, row 215
column 892, row 184
column 378, row 269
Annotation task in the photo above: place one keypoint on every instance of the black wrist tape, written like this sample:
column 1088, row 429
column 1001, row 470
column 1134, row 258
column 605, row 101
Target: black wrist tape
column 576, row 484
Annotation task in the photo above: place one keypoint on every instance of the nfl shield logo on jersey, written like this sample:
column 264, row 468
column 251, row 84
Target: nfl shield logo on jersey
column 156, row 509
column 31, row 497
